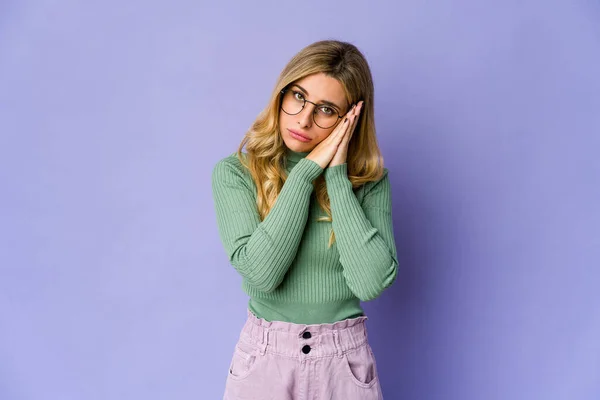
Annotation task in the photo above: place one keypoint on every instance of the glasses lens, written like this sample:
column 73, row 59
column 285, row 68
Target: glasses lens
column 292, row 103
column 326, row 118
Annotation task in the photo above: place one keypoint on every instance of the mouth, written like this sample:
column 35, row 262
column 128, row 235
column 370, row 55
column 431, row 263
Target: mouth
column 299, row 136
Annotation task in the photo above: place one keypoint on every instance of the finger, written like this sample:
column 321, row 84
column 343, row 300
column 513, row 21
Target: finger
column 353, row 125
column 342, row 128
column 343, row 131
column 345, row 139
column 358, row 109
column 358, row 112
column 339, row 130
column 349, row 126
column 343, row 146
column 351, row 111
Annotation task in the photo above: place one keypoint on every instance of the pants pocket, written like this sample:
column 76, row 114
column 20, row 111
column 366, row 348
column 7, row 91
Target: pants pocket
column 361, row 366
column 244, row 360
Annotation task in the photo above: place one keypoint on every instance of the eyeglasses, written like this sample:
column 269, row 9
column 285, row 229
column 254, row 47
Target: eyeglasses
column 293, row 103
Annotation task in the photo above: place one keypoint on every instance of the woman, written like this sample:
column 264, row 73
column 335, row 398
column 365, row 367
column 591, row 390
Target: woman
column 305, row 217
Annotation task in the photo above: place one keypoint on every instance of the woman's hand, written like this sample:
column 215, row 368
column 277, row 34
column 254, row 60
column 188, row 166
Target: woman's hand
column 342, row 150
column 325, row 151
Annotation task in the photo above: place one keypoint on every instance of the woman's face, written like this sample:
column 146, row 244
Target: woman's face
column 319, row 89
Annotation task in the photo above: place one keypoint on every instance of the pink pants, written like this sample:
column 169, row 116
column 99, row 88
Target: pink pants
column 286, row 361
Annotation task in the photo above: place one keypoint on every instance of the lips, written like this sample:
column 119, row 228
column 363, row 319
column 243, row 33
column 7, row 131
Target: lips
column 299, row 136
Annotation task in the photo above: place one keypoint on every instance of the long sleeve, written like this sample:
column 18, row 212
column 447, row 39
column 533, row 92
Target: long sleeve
column 364, row 234
column 261, row 251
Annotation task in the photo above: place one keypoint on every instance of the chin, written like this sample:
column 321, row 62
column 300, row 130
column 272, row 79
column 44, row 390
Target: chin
column 300, row 148
column 295, row 145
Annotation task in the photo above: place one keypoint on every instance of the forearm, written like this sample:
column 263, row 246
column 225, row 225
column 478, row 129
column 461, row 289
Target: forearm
column 262, row 252
column 273, row 246
column 367, row 254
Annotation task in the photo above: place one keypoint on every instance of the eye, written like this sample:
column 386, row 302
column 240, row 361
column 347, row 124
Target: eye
column 298, row 96
column 326, row 110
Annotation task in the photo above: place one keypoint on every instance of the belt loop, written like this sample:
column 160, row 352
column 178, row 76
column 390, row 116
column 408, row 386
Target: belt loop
column 265, row 341
column 338, row 345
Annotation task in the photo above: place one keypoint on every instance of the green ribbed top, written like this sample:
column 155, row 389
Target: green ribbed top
column 286, row 267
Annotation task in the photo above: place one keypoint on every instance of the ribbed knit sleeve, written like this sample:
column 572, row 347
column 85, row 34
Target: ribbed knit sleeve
column 261, row 251
column 364, row 234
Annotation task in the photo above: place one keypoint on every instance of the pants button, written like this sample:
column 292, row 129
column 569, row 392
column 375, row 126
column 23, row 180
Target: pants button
column 306, row 349
column 306, row 335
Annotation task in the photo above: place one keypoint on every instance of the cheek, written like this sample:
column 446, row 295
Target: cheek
column 324, row 134
column 284, row 120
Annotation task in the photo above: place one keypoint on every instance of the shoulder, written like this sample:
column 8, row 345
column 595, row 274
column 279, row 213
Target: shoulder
column 382, row 180
column 229, row 169
column 375, row 188
column 229, row 162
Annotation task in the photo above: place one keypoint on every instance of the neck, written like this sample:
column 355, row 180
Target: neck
column 295, row 156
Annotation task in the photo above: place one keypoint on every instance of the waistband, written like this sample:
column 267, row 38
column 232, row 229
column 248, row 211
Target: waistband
column 292, row 340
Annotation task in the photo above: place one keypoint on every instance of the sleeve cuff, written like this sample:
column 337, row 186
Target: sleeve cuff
column 337, row 174
column 306, row 170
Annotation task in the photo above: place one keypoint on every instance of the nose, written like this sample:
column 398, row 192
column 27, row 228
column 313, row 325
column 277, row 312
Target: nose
column 305, row 118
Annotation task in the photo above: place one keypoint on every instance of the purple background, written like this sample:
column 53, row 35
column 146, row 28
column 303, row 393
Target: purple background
column 113, row 281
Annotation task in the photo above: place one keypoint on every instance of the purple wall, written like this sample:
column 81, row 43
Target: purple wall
column 113, row 281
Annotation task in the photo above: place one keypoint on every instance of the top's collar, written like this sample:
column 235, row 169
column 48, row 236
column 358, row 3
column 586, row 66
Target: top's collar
column 295, row 156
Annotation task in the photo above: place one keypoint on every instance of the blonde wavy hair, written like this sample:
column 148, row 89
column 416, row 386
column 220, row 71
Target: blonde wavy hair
column 266, row 151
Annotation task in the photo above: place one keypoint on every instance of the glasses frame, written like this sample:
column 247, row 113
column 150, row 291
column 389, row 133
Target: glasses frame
column 314, row 111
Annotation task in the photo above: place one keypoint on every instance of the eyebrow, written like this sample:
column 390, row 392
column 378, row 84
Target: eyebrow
column 326, row 102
